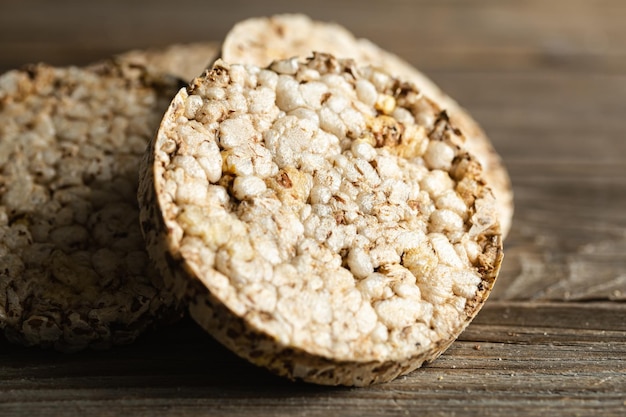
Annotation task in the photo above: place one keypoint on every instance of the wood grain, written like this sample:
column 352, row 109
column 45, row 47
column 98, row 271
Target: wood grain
column 538, row 357
column 546, row 79
column 570, row 35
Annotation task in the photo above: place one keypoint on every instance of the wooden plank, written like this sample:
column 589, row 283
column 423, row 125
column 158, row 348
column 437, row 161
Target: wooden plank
column 545, row 79
column 569, row 35
column 569, row 232
column 547, row 116
column 515, row 356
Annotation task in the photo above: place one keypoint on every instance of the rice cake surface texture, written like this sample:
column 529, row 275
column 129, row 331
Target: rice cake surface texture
column 74, row 272
column 320, row 217
column 259, row 41
column 185, row 61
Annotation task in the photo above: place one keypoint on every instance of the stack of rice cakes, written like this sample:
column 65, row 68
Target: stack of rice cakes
column 319, row 205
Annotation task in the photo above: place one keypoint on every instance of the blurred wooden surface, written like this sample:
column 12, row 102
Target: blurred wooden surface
column 546, row 79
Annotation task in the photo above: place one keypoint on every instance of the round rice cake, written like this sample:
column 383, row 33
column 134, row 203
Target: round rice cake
column 74, row 272
column 259, row 41
column 186, row 60
column 321, row 219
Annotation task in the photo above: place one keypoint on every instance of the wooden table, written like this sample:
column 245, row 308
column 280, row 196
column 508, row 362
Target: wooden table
column 547, row 79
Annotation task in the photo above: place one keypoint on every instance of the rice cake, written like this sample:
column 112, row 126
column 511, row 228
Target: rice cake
column 321, row 218
column 74, row 272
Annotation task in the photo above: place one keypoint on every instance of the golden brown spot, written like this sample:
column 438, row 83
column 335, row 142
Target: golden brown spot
column 385, row 104
column 465, row 166
column 227, row 181
column 284, row 180
column 414, row 204
column 467, row 189
column 280, row 31
column 386, row 130
column 339, row 217
column 219, row 75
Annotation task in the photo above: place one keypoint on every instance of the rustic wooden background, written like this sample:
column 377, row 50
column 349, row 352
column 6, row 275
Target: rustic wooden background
column 547, row 79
